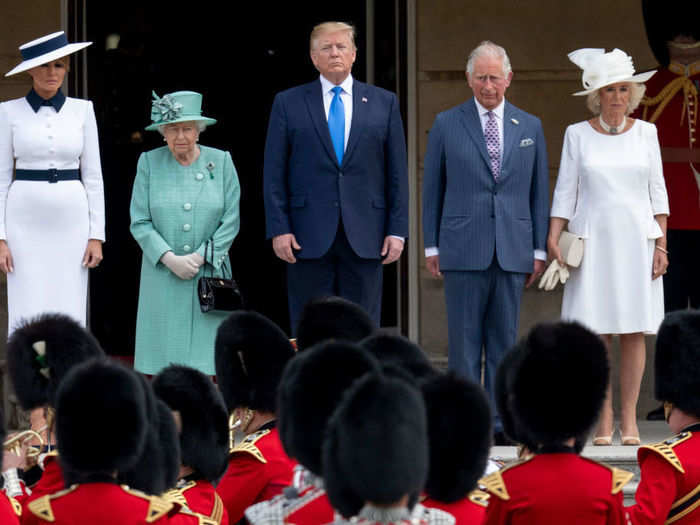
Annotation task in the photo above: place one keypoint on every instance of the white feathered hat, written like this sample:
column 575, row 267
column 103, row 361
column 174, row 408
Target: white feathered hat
column 602, row 69
column 45, row 49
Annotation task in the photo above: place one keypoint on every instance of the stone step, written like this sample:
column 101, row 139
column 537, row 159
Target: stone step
column 616, row 455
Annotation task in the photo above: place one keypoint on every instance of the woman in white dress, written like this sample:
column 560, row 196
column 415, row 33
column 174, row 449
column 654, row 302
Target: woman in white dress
column 52, row 213
column 610, row 191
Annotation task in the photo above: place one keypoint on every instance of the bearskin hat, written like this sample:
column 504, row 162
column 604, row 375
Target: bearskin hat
column 332, row 318
column 677, row 361
column 101, row 420
column 559, row 386
column 398, row 351
column 204, row 434
column 665, row 21
column 459, row 436
column 250, row 354
column 376, row 446
column 310, row 390
column 40, row 352
column 158, row 466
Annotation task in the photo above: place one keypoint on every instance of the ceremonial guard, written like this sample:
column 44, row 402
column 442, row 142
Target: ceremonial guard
column 557, row 393
column 673, row 30
column 332, row 317
column 311, row 388
column 40, row 353
column 669, row 491
column 375, row 455
column 99, row 407
column 459, row 440
column 10, row 508
column 251, row 353
column 158, row 467
column 203, row 438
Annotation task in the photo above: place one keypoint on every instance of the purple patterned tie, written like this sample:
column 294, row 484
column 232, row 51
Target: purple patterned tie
column 493, row 144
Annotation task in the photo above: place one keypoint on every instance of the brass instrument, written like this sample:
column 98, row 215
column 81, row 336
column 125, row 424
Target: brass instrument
column 15, row 443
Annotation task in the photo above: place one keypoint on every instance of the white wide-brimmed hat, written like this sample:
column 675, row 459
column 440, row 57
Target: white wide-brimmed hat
column 45, row 49
column 602, row 69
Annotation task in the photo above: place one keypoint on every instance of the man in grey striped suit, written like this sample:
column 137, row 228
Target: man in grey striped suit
column 485, row 214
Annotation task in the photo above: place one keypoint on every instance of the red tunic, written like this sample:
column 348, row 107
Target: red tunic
column 258, row 469
column 201, row 497
column 93, row 503
column 670, row 484
column 677, row 125
column 10, row 510
column 467, row 511
column 556, row 489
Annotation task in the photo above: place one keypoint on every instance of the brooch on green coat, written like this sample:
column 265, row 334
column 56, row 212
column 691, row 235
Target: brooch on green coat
column 210, row 167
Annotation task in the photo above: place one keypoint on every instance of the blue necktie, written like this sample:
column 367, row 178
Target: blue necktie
column 336, row 123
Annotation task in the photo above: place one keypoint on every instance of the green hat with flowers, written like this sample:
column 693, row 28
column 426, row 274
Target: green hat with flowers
column 181, row 106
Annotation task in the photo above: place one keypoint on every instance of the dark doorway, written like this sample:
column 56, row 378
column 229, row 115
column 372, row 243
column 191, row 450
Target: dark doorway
column 238, row 55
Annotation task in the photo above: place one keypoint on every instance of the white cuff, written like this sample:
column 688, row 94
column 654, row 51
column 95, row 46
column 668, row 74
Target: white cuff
column 432, row 251
column 540, row 255
column 12, row 483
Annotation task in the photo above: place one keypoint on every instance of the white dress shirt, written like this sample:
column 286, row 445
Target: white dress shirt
column 345, row 95
column 483, row 116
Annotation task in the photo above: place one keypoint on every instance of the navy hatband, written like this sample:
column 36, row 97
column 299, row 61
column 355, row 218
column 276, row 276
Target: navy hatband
column 52, row 44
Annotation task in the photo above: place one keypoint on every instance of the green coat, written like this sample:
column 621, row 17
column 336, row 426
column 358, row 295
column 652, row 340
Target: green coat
column 179, row 208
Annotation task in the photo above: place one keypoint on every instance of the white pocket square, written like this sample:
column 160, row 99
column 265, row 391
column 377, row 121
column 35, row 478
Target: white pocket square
column 526, row 142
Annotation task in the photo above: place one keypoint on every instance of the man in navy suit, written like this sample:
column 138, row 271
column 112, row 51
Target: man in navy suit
column 335, row 180
column 485, row 214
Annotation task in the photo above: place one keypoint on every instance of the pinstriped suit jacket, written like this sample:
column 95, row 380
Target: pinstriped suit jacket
column 466, row 213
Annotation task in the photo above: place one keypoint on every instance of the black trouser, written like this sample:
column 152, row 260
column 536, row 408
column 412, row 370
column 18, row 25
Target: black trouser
column 682, row 279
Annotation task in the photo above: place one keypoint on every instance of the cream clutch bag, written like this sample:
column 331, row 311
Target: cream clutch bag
column 571, row 247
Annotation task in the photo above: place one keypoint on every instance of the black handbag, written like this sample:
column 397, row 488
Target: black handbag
column 218, row 293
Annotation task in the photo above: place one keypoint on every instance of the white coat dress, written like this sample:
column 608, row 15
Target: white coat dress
column 609, row 188
column 47, row 225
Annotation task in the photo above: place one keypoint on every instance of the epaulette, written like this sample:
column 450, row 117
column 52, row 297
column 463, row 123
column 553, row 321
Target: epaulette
column 479, row 497
column 157, row 507
column 665, row 449
column 217, row 514
column 620, row 477
column 248, row 445
column 494, row 482
column 201, row 519
column 41, row 507
column 15, row 506
column 177, row 495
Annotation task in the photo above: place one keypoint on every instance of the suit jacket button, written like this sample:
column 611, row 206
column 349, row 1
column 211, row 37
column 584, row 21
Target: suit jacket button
column 199, row 176
column 340, row 174
column 187, row 206
column 335, row 203
column 186, row 227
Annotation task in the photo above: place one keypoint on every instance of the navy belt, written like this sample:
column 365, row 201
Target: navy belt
column 50, row 175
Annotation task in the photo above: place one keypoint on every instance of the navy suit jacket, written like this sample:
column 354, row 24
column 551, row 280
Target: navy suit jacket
column 307, row 192
column 466, row 213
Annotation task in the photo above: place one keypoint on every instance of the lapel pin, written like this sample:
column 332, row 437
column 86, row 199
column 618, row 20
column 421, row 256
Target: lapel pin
column 515, row 121
column 364, row 99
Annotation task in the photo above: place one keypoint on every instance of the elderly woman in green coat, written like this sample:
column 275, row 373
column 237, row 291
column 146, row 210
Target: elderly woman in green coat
column 185, row 199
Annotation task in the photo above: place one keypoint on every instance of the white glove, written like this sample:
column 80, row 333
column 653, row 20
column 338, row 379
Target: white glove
column 183, row 266
column 196, row 258
column 553, row 275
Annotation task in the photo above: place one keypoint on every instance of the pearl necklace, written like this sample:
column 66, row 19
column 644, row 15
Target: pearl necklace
column 613, row 130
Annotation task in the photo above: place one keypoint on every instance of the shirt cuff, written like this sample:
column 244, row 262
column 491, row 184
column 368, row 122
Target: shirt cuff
column 398, row 237
column 432, row 251
column 540, row 255
column 12, row 483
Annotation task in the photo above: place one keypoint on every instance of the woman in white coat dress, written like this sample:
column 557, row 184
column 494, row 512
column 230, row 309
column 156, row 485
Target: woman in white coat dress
column 610, row 190
column 52, row 213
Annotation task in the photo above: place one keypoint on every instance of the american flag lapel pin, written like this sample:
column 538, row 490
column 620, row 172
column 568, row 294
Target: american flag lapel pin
column 364, row 99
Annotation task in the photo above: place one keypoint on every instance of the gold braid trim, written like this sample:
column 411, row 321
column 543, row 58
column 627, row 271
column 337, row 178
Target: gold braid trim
column 666, row 95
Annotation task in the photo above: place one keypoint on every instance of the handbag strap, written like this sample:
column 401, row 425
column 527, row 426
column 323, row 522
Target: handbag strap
column 211, row 262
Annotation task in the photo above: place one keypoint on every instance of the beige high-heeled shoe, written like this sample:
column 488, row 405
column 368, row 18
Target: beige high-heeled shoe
column 603, row 441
